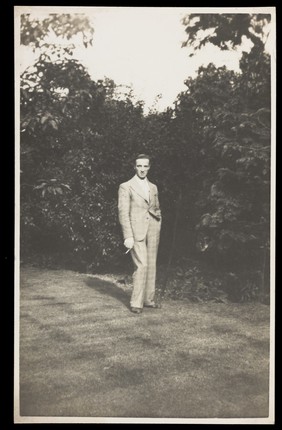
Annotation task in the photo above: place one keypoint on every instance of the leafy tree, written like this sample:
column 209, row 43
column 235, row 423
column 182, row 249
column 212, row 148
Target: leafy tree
column 226, row 31
column 35, row 30
column 73, row 135
column 73, row 132
column 232, row 116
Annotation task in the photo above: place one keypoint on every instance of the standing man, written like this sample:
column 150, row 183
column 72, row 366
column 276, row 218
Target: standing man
column 140, row 219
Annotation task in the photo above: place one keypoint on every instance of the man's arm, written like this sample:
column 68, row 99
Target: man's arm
column 158, row 202
column 158, row 208
column 124, row 210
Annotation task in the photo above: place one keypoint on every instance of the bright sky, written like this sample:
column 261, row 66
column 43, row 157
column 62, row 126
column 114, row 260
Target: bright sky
column 141, row 48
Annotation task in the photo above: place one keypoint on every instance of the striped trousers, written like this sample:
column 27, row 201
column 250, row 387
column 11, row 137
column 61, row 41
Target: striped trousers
column 144, row 256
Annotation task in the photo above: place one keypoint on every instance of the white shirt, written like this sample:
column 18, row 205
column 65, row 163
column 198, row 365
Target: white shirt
column 145, row 186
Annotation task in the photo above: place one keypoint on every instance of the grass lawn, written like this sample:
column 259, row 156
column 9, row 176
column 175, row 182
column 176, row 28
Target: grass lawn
column 84, row 354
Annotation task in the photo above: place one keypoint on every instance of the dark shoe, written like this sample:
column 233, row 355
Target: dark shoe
column 153, row 306
column 136, row 310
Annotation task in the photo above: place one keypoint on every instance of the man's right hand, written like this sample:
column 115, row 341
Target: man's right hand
column 129, row 242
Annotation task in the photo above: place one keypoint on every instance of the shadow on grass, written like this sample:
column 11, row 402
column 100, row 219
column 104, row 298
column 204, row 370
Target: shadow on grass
column 108, row 288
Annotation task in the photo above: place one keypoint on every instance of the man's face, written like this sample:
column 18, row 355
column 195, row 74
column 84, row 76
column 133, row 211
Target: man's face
column 142, row 166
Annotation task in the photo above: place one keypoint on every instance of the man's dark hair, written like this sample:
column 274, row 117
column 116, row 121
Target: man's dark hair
column 141, row 156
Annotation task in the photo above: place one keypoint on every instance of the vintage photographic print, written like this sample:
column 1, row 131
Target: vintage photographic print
column 145, row 214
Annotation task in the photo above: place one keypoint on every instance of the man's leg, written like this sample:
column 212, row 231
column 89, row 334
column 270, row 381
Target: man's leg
column 139, row 257
column 153, row 238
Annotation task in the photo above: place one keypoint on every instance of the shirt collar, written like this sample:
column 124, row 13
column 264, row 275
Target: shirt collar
column 142, row 181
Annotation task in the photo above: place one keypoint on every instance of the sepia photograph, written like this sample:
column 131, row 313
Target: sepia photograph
column 145, row 157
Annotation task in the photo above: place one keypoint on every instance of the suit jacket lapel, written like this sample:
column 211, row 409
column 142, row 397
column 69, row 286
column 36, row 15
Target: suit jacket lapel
column 137, row 188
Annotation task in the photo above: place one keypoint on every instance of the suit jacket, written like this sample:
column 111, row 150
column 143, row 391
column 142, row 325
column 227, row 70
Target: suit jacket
column 135, row 211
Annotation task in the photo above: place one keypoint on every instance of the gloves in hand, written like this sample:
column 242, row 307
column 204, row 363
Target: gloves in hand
column 129, row 242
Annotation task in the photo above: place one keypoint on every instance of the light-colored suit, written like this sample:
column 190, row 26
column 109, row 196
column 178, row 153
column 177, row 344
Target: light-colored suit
column 141, row 219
